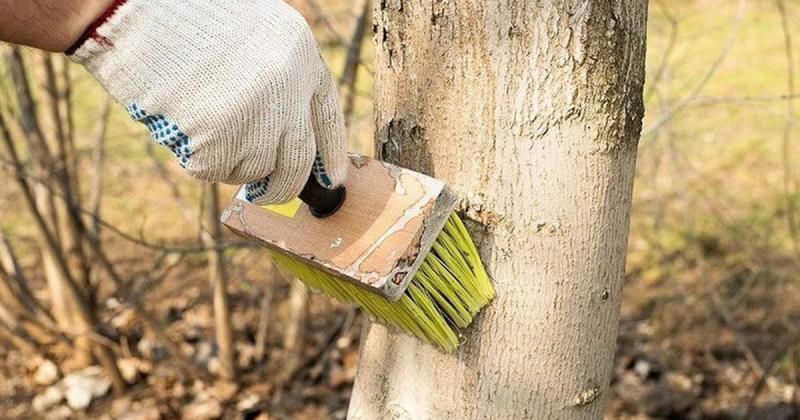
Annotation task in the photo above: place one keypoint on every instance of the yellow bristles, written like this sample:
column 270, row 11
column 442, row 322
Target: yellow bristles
column 446, row 293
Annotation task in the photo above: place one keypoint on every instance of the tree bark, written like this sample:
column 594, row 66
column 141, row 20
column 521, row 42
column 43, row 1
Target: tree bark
column 219, row 284
column 532, row 112
column 64, row 171
column 347, row 83
column 294, row 335
column 264, row 319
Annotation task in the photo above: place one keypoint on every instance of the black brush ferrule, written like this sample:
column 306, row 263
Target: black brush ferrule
column 321, row 201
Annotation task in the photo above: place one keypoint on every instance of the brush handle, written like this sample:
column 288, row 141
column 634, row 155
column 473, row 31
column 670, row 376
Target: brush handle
column 322, row 201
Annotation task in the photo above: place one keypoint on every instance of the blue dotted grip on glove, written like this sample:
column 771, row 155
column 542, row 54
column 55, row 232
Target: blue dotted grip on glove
column 164, row 132
column 168, row 134
column 258, row 189
column 319, row 172
column 255, row 190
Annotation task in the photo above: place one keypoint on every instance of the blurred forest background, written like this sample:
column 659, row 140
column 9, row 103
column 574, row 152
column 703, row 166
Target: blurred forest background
column 112, row 267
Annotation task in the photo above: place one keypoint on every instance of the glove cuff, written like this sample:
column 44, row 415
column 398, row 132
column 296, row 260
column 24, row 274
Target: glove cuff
column 91, row 30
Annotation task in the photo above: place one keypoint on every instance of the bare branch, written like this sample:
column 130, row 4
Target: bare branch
column 189, row 214
column 667, row 53
column 84, row 316
column 17, row 281
column 218, row 280
column 725, row 313
column 27, row 108
column 742, row 99
column 789, row 183
column 53, row 102
column 22, row 340
column 682, row 103
column 321, row 17
column 98, row 160
column 350, row 72
column 18, row 170
column 67, row 98
column 263, row 324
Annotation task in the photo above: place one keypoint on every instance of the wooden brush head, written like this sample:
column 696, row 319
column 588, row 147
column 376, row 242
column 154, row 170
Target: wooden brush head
column 377, row 239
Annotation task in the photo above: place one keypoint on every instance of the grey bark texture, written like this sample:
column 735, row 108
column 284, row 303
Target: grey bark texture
column 531, row 111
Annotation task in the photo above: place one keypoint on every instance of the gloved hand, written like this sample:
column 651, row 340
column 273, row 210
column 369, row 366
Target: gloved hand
column 237, row 90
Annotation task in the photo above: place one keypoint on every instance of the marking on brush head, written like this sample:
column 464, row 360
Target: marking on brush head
column 336, row 243
column 408, row 215
column 288, row 209
column 238, row 209
column 357, row 160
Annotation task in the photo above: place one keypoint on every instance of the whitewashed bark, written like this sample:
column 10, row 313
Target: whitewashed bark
column 532, row 111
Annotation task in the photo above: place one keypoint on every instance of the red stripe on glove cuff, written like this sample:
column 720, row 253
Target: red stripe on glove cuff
column 91, row 30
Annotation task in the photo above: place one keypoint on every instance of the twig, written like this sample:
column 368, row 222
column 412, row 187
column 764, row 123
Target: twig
column 789, row 187
column 27, row 115
column 727, row 318
column 10, row 267
column 762, row 380
column 331, row 338
column 263, row 324
column 140, row 241
column 320, row 16
column 350, row 71
column 664, row 62
column 84, row 316
column 51, row 87
column 145, row 280
column 189, row 368
column 22, row 341
column 189, row 215
column 70, row 115
column 98, row 160
column 743, row 99
column 669, row 114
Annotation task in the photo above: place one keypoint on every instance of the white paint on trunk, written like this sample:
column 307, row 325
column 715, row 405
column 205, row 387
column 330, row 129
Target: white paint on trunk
column 531, row 111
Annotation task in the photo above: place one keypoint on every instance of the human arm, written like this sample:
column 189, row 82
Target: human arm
column 50, row 25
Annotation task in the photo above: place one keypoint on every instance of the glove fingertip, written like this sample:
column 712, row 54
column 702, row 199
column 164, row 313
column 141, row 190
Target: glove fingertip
column 331, row 172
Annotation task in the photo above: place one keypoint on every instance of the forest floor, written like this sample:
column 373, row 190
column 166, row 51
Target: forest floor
column 710, row 323
column 309, row 382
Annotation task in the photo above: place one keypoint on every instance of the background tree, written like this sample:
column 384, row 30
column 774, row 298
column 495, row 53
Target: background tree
column 532, row 112
column 52, row 199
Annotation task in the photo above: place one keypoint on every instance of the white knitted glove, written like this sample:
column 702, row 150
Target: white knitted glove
column 237, row 90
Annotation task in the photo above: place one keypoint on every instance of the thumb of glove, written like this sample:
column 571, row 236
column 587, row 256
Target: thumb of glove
column 330, row 164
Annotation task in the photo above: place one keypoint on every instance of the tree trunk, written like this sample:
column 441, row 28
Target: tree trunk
column 347, row 83
column 294, row 334
column 219, row 284
column 531, row 111
column 264, row 319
